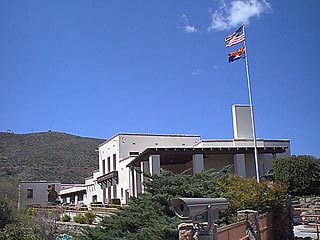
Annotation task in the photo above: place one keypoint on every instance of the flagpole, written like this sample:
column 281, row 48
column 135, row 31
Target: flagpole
column 251, row 112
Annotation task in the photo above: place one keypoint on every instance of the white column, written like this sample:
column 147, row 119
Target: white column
column 137, row 177
column 240, row 164
column 144, row 169
column 198, row 164
column 132, row 183
column 154, row 164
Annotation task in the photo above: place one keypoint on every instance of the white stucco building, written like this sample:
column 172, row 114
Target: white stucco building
column 150, row 152
column 73, row 194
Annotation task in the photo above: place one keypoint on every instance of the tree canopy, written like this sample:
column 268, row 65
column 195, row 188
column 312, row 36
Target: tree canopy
column 300, row 173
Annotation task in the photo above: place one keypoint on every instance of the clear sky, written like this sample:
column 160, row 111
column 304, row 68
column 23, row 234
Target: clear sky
column 95, row 68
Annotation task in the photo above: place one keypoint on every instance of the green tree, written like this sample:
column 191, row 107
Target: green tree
column 247, row 193
column 300, row 173
column 6, row 216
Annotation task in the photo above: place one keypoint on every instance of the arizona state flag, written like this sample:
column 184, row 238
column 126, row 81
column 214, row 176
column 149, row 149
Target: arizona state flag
column 241, row 53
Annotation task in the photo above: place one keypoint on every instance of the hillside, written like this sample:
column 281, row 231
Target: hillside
column 47, row 156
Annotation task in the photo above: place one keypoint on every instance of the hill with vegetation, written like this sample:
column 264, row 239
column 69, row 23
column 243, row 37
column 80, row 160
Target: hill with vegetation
column 47, row 156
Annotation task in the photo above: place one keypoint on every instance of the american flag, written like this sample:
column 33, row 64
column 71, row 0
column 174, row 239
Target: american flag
column 235, row 38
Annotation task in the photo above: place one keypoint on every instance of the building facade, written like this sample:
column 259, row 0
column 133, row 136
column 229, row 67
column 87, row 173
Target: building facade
column 114, row 177
column 123, row 157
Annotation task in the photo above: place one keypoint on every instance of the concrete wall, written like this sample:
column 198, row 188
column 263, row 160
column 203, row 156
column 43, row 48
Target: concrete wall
column 137, row 143
column 217, row 161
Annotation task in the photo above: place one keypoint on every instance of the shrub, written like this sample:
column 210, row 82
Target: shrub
column 19, row 231
column 31, row 211
column 79, row 218
column 66, row 218
column 90, row 216
column 246, row 193
column 115, row 201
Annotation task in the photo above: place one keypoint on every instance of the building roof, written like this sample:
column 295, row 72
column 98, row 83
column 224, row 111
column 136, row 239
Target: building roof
column 41, row 181
column 148, row 134
column 181, row 155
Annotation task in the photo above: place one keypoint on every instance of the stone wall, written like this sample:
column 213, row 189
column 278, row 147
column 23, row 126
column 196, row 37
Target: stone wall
column 310, row 202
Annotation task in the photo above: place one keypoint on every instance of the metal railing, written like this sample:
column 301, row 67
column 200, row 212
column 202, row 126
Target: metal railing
column 310, row 217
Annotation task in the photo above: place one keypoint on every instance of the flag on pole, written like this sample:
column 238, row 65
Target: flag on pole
column 240, row 53
column 235, row 38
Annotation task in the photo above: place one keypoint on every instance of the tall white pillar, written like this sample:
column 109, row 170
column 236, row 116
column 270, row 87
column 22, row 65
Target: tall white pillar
column 198, row 163
column 240, row 164
column 154, row 164
column 132, row 183
column 137, row 177
column 144, row 169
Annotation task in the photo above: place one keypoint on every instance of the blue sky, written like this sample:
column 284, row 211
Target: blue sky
column 96, row 68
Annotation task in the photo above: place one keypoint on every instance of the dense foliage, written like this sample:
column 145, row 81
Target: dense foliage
column 300, row 173
column 32, row 225
column 6, row 216
column 150, row 216
column 246, row 193
column 19, row 230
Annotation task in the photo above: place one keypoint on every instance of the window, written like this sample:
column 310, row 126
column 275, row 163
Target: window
column 94, row 198
column 103, row 166
column 30, row 193
column 108, row 165
column 114, row 191
column 114, row 162
column 133, row 153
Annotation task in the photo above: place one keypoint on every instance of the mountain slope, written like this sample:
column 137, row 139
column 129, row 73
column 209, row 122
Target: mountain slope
column 47, row 156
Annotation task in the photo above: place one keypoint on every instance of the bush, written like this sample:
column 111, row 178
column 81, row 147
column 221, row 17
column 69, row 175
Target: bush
column 90, row 216
column 245, row 193
column 115, row 201
column 300, row 173
column 19, row 231
column 66, row 218
column 79, row 218
column 31, row 211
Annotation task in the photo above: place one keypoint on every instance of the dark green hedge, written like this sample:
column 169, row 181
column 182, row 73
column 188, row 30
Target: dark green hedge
column 300, row 173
